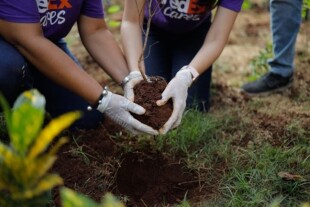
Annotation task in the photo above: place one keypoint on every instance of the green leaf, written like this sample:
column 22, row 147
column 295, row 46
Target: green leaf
column 69, row 198
column 37, row 168
column 45, row 184
column 7, row 157
column 114, row 9
column 110, row 200
column 47, row 135
column 27, row 119
column 32, row 97
column 114, row 23
column 246, row 5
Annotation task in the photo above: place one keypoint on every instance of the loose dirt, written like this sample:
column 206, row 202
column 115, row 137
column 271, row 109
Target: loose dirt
column 146, row 95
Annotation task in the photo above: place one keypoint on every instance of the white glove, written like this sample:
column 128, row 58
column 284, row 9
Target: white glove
column 130, row 82
column 177, row 90
column 118, row 107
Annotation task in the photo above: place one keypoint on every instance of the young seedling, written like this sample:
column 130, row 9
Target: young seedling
column 151, row 14
column 149, row 90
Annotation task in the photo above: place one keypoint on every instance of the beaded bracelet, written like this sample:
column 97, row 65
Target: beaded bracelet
column 99, row 101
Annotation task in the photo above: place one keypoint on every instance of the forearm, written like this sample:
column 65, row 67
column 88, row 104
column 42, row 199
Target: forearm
column 215, row 40
column 131, row 32
column 104, row 49
column 58, row 66
column 132, row 45
column 207, row 55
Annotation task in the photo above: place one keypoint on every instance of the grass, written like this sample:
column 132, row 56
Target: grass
column 225, row 147
column 231, row 142
column 256, row 182
column 78, row 151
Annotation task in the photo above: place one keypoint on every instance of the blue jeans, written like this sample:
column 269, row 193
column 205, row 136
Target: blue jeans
column 18, row 75
column 285, row 24
column 167, row 53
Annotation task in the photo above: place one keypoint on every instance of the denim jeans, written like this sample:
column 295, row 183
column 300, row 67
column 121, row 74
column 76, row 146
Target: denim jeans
column 166, row 53
column 18, row 75
column 285, row 23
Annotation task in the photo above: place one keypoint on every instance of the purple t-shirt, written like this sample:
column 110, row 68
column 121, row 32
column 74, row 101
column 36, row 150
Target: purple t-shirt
column 180, row 16
column 55, row 16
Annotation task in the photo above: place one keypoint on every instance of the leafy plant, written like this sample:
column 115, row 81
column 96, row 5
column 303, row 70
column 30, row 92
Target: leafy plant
column 115, row 8
column 70, row 198
column 250, row 4
column 24, row 163
column 112, row 9
column 259, row 65
column 246, row 5
column 305, row 9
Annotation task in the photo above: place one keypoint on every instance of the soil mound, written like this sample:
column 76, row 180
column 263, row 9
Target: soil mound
column 146, row 95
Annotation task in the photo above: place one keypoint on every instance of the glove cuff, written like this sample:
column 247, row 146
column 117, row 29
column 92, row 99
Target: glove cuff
column 186, row 76
column 192, row 70
column 103, row 101
column 131, row 75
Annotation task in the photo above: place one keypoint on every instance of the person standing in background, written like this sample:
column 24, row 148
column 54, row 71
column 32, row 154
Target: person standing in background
column 285, row 23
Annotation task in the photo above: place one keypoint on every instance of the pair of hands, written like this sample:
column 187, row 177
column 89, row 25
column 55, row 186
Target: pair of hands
column 118, row 108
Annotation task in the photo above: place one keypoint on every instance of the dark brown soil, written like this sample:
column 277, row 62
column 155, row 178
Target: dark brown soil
column 146, row 95
column 145, row 178
column 93, row 164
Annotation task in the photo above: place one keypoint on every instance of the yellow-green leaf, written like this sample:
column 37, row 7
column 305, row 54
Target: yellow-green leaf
column 32, row 97
column 37, row 168
column 51, row 131
column 114, row 9
column 69, row 198
column 54, row 149
column 6, row 155
column 27, row 119
column 45, row 184
column 26, row 124
column 114, row 23
column 110, row 201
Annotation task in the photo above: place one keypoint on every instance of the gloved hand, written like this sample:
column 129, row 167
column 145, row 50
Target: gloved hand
column 177, row 90
column 118, row 107
column 129, row 83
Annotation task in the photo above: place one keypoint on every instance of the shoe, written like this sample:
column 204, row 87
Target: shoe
column 270, row 82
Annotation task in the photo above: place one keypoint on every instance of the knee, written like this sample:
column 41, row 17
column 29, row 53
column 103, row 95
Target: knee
column 11, row 61
column 13, row 68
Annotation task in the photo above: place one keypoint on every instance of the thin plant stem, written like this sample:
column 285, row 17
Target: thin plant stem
column 148, row 26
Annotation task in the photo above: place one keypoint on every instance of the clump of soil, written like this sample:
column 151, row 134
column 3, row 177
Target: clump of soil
column 146, row 95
